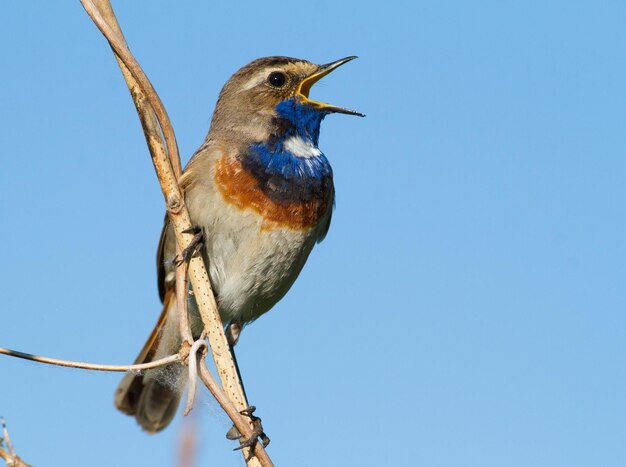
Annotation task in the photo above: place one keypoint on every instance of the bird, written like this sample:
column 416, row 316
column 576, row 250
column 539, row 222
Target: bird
column 260, row 195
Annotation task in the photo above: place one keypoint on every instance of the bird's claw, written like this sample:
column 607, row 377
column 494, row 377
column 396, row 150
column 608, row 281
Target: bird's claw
column 257, row 431
column 194, row 247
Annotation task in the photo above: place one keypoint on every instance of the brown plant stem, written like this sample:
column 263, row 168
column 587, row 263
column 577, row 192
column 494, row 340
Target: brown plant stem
column 10, row 457
column 164, row 151
column 91, row 366
column 240, row 422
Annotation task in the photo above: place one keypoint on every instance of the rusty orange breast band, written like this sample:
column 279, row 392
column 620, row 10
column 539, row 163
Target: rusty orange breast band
column 241, row 189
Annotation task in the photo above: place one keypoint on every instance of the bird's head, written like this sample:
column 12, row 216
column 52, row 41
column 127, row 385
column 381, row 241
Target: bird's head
column 270, row 96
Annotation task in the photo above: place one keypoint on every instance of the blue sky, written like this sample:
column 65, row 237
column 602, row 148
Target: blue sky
column 467, row 306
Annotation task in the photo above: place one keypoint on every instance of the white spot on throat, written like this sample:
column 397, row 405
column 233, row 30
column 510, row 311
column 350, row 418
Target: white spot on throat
column 301, row 147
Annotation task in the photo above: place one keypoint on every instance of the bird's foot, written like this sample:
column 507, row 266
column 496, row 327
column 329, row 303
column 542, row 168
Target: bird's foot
column 194, row 247
column 257, row 431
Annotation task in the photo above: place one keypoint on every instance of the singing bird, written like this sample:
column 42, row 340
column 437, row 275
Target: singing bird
column 261, row 194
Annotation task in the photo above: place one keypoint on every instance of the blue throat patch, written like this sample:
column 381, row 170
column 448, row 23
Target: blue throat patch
column 282, row 175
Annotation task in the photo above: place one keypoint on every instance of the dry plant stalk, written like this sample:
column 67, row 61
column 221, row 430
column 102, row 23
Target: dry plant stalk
column 192, row 354
column 159, row 136
column 93, row 366
column 10, row 457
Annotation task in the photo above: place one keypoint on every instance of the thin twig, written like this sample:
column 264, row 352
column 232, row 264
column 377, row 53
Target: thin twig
column 7, row 438
column 11, row 457
column 188, row 443
column 113, row 33
column 193, row 373
column 92, row 366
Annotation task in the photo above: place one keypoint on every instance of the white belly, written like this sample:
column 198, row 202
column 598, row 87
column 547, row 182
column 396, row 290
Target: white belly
column 251, row 268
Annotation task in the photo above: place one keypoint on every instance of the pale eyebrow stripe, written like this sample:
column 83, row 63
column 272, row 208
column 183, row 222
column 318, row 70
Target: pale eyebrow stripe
column 257, row 79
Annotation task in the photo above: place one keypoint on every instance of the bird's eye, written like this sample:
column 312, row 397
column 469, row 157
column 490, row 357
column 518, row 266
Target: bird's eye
column 277, row 79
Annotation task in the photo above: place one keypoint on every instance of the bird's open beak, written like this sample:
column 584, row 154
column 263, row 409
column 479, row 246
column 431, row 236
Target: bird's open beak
column 309, row 81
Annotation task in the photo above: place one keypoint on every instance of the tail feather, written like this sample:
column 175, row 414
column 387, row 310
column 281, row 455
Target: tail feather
column 158, row 401
column 152, row 397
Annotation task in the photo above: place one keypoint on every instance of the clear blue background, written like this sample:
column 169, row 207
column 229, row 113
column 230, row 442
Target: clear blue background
column 467, row 307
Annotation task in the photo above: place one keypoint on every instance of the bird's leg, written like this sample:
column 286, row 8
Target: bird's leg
column 194, row 247
column 233, row 331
